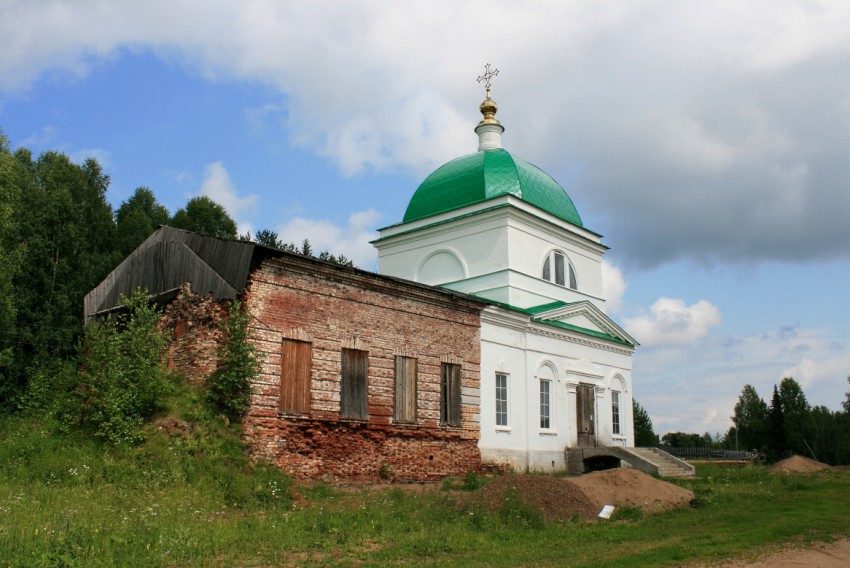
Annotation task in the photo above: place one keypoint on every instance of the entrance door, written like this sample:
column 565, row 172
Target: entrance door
column 584, row 416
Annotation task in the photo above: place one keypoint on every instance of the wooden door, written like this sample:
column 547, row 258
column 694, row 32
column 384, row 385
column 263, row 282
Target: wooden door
column 585, row 418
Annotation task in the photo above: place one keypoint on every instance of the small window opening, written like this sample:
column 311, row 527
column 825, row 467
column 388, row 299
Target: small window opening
column 558, row 269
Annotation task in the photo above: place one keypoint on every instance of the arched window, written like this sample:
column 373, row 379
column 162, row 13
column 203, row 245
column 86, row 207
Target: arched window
column 558, row 269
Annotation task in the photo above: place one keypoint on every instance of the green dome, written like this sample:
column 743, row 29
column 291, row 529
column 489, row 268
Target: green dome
column 484, row 175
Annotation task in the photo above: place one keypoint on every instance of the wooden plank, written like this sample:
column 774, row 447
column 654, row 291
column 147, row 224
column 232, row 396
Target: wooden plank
column 584, row 416
column 167, row 259
column 450, row 394
column 405, row 389
column 295, row 376
column 353, row 383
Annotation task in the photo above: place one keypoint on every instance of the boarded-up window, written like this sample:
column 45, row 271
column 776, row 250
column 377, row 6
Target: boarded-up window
column 405, row 389
column 450, row 394
column 353, row 389
column 295, row 372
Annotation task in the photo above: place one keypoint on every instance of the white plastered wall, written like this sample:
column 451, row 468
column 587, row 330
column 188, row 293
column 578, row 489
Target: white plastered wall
column 527, row 354
column 501, row 249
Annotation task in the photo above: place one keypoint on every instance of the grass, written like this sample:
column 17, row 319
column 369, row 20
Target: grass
column 195, row 499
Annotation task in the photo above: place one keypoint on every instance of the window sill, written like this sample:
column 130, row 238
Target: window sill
column 548, row 432
column 503, row 429
column 289, row 414
column 353, row 419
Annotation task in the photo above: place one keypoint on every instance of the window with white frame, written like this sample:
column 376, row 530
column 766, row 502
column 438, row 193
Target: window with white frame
column 615, row 412
column 501, row 399
column 559, row 270
column 545, row 406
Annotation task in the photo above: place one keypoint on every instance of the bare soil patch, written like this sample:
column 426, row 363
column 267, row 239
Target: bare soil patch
column 631, row 487
column 555, row 498
column 584, row 496
column 798, row 464
column 822, row 555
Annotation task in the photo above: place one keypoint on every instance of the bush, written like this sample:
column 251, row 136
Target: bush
column 229, row 387
column 122, row 380
column 50, row 381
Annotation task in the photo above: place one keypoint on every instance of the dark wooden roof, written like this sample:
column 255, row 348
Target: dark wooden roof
column 167, row 259
column 221, row 267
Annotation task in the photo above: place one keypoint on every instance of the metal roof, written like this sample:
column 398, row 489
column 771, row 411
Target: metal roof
column 484, row 175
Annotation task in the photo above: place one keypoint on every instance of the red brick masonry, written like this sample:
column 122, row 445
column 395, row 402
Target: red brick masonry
column 291, row 297
column 192, row 321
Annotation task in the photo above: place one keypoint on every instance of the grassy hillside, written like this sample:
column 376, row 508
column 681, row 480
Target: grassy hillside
column 188, row 496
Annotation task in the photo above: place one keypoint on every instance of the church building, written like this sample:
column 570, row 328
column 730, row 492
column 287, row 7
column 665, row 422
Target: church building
column 556, row 371
column 483, row 340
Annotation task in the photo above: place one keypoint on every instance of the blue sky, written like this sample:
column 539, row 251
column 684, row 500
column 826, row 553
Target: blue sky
column 709, row 143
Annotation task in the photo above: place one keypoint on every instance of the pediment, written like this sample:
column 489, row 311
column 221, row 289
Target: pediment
column 584, row 316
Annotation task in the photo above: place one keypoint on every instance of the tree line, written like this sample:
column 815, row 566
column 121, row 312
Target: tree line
column 59, row 237
column 787, row 426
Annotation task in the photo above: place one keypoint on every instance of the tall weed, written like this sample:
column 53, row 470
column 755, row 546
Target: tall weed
column 122, row 380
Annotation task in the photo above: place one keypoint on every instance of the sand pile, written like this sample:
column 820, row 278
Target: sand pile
column 555, row 498
column 562, row 499
column 798, row 464
column 632, row 487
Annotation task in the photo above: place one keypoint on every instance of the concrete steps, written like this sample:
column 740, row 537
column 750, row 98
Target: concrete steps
column 668, row 466
column 648, row 460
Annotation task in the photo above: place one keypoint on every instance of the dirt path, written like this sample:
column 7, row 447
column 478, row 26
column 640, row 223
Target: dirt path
column 830, row 555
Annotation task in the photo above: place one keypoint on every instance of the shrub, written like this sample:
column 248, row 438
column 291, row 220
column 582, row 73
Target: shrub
column 50, row 380
column 229, row 387
column 122, row 380
column 471, row 481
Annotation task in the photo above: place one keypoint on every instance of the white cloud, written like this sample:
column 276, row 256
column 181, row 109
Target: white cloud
column 694, row 387
column 671, row 322
column 181, row 177
column 103, row 157
column 40, row 139
column 670, row 112
column 713, row 131
column 351, row 240
column 614, row 286
column 218, row 186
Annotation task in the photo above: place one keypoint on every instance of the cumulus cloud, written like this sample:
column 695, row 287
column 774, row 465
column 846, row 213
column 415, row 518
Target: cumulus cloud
column 694, row 387
column 351, row 240
column 218, row 186
column 670, row 322
column 710, row 131
column 614, row 286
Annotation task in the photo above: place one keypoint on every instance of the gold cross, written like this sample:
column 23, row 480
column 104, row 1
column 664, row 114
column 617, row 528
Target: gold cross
column 488, row 74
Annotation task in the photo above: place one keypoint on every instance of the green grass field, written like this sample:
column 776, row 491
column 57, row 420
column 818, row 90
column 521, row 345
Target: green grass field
column 192, row 498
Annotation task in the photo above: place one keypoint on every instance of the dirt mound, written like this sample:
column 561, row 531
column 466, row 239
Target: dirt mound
column 584, row 496
column 798, row 464
column 631, row 487
column 555, row 498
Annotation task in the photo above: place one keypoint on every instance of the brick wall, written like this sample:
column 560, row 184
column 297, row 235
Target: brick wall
column 192, row 321
column 334, row 308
